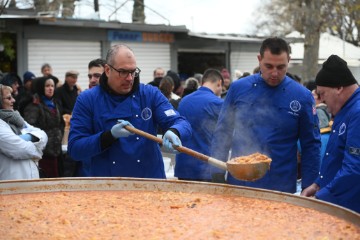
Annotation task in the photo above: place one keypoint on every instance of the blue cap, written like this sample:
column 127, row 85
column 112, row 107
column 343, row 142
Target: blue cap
column 28, row 76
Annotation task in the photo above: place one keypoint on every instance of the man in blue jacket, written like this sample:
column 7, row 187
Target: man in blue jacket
column 338, row 181
column 201, row 108
column 97, row 134
column 269, row 112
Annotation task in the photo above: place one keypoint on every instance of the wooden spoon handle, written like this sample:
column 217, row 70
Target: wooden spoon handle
column 203, row 157
column 192, row 153
column 181, row 149
column 144, row 134
column 159, row 140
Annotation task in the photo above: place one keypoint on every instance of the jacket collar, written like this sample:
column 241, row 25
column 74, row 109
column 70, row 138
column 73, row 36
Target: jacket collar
column 104, row 85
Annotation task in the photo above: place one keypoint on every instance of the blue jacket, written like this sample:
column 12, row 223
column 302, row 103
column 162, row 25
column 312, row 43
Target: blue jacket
column 256, row 117
column 201, row 108
column 339, row 177
column 97, row 111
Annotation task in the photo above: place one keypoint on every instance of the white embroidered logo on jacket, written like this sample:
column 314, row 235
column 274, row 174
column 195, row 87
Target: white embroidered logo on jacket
column 146, row 114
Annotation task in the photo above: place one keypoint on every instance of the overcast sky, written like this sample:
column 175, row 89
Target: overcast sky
column 210, row 16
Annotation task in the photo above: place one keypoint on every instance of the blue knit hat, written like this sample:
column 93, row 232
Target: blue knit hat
column 28, row 76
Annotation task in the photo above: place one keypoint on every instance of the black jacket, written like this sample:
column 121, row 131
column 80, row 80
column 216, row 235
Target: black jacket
column 66, row 97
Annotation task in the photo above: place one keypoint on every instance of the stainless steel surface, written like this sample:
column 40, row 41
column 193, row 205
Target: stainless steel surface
column 83, row 184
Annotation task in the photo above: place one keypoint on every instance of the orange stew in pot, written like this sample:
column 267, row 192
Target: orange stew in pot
column 162, row 215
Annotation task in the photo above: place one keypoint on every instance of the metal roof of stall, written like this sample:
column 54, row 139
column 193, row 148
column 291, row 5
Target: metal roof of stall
column 50, row 18
column 227, row 37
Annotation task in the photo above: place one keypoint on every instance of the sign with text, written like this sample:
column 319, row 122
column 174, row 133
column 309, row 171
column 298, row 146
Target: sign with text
column 140, row 36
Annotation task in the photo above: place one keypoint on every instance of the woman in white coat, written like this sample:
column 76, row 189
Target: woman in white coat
column 21, row 144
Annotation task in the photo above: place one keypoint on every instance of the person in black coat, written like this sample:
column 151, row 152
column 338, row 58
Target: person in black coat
column 44, row 112
column 68, row 92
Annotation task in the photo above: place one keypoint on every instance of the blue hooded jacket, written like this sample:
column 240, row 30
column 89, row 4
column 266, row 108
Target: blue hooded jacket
column 256, row 117
column 339, row 176
column 97, row 110
column 202, row 109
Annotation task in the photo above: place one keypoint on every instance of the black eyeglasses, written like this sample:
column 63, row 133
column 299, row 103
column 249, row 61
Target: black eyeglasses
column 95, row 75
column 124, row 73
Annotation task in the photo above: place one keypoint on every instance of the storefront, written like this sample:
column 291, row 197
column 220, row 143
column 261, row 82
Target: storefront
column 71, row 43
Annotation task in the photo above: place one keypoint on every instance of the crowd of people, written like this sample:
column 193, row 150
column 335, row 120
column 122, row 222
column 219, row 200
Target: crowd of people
column 43, row 102
column 269, row 111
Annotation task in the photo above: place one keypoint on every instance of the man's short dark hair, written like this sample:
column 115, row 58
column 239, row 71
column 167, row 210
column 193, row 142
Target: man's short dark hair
column 99, row 62
column 276, row 46
column 212, row 75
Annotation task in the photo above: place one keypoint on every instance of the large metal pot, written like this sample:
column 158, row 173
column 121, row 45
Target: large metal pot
column 133, row 184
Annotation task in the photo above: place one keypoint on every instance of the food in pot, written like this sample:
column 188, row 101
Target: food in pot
column 252, row 158
column 162, row 215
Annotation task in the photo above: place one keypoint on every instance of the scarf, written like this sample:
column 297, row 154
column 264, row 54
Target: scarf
column 48, row 102
column 14, row 119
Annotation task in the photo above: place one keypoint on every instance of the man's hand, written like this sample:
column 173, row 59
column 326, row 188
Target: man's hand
column 169, row 139
column 119, row 131
column 310, row 191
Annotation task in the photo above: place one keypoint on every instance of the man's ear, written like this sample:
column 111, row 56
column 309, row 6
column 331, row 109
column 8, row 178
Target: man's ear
column 259, row 58
column 107, row 70
column 339, row 89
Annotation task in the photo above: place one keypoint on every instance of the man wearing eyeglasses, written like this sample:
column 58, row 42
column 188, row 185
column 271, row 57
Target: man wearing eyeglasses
column 95, row 70
column 97, row 134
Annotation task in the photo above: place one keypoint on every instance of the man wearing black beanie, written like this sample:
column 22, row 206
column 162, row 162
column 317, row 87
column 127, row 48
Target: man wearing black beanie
column 335, row 73
column 339, row 176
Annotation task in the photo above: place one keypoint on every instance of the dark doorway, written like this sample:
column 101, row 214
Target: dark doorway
column 8, row 52
column 190, row 63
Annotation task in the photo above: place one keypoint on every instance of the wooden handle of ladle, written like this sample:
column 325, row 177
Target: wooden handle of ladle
column 182, row 149
column 144, row 134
